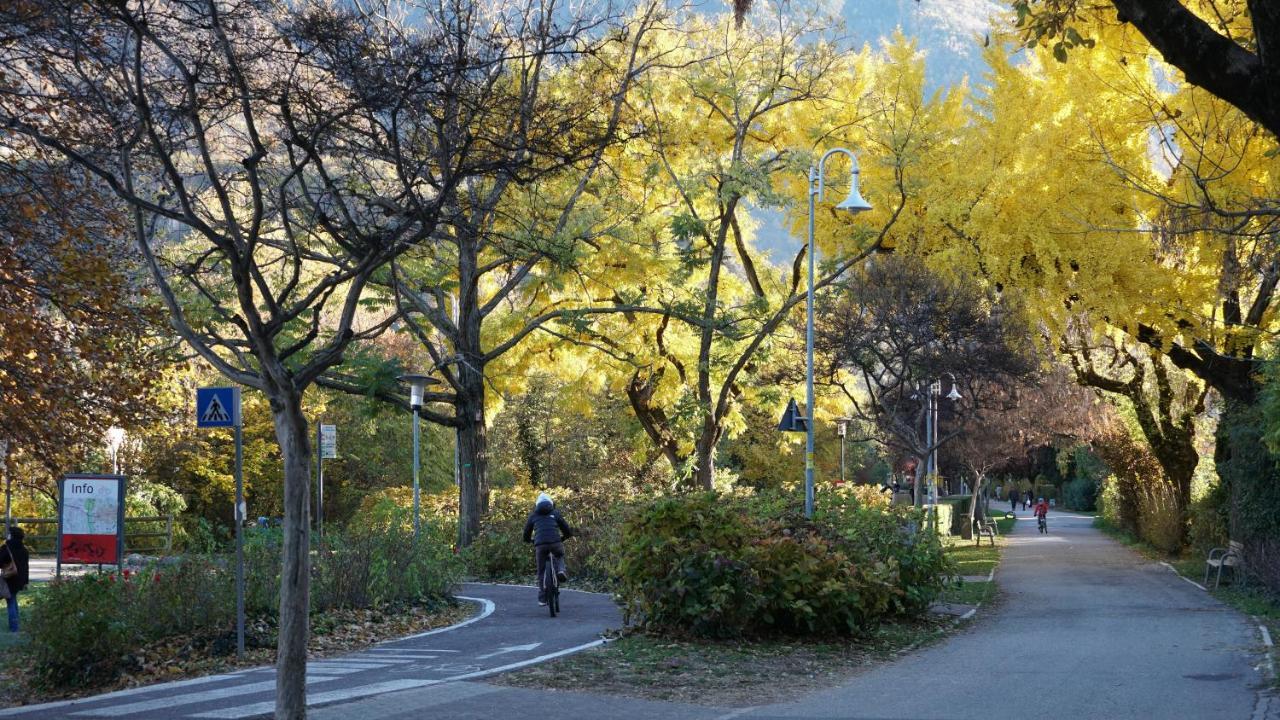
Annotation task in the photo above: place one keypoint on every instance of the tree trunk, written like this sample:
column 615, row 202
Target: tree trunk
column 974, row 499
column 917, row 493
column 472, row 445
column 295, row 601
column 704, row 474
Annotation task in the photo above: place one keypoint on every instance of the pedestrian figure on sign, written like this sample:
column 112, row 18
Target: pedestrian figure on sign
column 15, row 569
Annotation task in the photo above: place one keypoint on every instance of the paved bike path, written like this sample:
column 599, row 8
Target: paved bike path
column 511, row 630
column 1086, row 628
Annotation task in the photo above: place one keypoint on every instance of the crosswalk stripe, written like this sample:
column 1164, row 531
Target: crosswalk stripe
column 406, row 658
column 371, row 662
column 246, row 711
column 407, row 650
column 24, row 709
column 188, row 699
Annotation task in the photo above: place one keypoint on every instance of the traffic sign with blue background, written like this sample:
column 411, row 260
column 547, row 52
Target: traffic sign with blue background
column 217, row 407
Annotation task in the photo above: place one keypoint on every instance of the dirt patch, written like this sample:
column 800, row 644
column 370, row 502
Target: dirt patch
column 724, row 674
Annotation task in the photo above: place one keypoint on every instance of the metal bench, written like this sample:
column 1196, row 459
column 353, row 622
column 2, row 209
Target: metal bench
column 1232, row 557
column 984, row 526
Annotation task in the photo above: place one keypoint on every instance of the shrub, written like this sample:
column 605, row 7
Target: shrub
column 85, row 630
column 1080, row 494
column 1160, row 519
column 79, row 632
column 594, row 513
column 713, row 565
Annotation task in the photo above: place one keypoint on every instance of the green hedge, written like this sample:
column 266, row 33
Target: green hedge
column 721, row 566
column 85, row 630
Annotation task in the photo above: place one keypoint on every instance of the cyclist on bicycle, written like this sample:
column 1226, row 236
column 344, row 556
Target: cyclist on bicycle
column 1042, row 514
column 547, row 530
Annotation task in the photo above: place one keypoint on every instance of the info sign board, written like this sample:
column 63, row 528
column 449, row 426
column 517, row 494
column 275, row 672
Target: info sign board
column 328, row 442
column 91, row 519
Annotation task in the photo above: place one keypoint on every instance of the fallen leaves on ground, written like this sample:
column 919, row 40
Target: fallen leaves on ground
column 333, row 632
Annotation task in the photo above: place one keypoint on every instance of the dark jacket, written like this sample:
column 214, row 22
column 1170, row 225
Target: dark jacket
column 545, row 526
column 18, row 552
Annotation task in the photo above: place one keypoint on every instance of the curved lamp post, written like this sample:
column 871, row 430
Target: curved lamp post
column 931, row 466
column 417, row 388
column 854, row 203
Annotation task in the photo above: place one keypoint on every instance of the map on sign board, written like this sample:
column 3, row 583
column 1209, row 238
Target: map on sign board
column 328, row 441
column 89, row 525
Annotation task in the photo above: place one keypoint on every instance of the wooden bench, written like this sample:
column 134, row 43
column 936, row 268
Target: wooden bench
column 1232, row 557
column 984, row 526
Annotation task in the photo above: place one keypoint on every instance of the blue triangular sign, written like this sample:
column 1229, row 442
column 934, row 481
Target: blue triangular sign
column 792, row 420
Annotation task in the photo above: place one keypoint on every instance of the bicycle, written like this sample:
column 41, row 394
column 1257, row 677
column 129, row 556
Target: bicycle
column 1042, row 524
column 551, row 585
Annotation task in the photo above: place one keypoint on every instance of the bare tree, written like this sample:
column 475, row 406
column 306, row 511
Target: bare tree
column 896, row 328
column 274, row 158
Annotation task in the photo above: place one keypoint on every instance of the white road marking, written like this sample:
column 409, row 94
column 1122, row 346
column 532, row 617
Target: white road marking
column 22, row 710
column 188, row 699
column 262, row 708
column 333, row 671
column 735, row 713
column 245, row 711
column 405, row 658
column 408, row 650
column 486, row 612
column 1184, row 577
column 1266, row 636
column 509, row 649
column 371, row 662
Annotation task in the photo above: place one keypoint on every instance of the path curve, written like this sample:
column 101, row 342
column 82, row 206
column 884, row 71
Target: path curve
column 509, row 631
column 1086, row 628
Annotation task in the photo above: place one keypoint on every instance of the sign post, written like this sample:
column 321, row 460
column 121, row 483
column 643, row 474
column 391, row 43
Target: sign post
column 327, row 447
column 90, row 520
column 218, row 407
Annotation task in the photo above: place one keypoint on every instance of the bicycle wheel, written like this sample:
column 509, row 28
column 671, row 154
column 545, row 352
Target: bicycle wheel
column 552, row 586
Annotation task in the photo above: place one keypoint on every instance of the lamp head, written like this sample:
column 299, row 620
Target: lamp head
column 417, row 385
column 954, row 394
column 854, row 203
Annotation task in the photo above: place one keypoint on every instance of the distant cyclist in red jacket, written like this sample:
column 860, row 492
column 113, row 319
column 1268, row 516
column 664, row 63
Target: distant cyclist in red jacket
column 1042, row 515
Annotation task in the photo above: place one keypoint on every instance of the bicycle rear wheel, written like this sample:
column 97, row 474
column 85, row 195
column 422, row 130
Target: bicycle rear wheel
column 552, row 587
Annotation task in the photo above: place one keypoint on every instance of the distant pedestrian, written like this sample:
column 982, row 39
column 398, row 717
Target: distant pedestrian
column 1013, row 499
column 1026, row 500
column 15, row 568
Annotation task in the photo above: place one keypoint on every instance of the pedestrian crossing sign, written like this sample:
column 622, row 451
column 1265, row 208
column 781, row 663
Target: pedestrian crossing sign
column 218, row 407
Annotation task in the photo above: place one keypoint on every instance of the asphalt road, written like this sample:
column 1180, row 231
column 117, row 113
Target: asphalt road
column 1086, row 628
column 510, row 631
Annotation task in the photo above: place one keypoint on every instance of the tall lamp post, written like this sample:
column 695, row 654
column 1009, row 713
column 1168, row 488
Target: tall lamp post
column 854, row 204
column 417, row 387
column 931, row 465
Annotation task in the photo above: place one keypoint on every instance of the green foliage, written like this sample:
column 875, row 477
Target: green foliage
column 721, row 566
column 1080, row 494
column 593, row 512
column 86, row 630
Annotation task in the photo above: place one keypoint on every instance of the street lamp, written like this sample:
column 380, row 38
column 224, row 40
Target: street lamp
column 115, row 438
column 854, row 204
column 931, row 466
column 842, row 429
column 417, row 387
